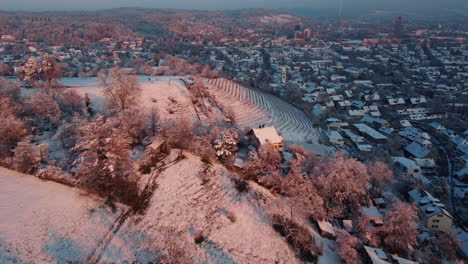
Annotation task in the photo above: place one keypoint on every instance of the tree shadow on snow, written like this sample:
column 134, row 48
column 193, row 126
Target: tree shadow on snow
column 216, row 253
column 7, row 255
column 64, row 249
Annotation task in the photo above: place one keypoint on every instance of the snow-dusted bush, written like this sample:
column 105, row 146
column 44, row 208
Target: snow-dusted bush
column 297, row 236
column 26, row 158
column 262, row 163
column 70, row 102
column 12, row 129
column 226, row 144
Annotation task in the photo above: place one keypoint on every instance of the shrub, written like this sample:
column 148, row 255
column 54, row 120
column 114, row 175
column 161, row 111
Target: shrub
column 27, row 157
column 297, row 237
column 231, row 216
column 241, row 185
column 199, row 237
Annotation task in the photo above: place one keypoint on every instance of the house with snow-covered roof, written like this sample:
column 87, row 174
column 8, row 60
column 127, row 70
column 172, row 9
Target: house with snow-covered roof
column 407, row 168
column 370, row 133
column 379, row 256
column 266, row 135
column 335, row 138
column 432, row 211
column 417, row 150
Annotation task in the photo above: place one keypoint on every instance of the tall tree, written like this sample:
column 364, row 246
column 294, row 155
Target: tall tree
column 347, row 243
column 342, row 183
column 31, row 71
column 400, row 229
column 104, row 161
column 379, row 176
column 121, row 89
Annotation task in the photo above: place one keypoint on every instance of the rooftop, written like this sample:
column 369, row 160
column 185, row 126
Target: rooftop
column 267, row 135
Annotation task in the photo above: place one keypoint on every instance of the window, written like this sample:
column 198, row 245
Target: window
column 416, row 170
column 440, row 216
column 435, row 221
column 434, row 226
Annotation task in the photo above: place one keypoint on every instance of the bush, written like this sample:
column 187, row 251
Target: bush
column 231, row 216
column 27, row 157
column 297, row 237
column 241, row 185
column 199, row 237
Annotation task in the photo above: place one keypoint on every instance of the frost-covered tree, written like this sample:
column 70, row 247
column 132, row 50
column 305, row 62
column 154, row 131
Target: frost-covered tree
column 12, row 129
column 44, row 109
column 26, row 158
column 262, row 163
column 342, row 183
column 379, row 176
column 305, row 198
column 70, row 102
column 121, row 89
column 162, row 70
column 400, row 230
column 104, row 163
column 50, row 70
column 31, row 71
column 347, row 244
column 8, row 89
column 226, row 144
column 46, row 68
column 133, row 124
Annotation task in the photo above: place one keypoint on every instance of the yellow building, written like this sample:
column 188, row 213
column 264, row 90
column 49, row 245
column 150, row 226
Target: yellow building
column 266, row 135
column 432, row 211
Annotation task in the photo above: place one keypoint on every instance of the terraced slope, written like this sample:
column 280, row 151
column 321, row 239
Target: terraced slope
column 253, row 108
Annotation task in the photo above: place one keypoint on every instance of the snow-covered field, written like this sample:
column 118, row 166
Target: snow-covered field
column 46, row 222
column 167, row 94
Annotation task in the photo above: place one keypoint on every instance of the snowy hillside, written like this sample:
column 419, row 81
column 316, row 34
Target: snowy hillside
column 46, row 222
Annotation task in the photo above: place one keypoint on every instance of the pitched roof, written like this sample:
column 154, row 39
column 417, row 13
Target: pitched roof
column 267, row 135
column 428, row 204
column 417, row 150
column 405, row 162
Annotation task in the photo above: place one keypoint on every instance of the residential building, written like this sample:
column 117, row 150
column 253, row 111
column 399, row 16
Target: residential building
column 432, row 211
column 266, row 135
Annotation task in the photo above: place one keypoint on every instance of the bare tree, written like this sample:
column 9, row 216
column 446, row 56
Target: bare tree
column 104, row 164
column 31, row 71
column 27, row 157
column 347, row 244
column 400, row 229
column 121, row 89
column 379, row 175
column 44, row 108
column 342, row 183
column 12, row 129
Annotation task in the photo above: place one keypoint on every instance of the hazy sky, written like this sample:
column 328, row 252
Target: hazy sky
column 39, row 5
